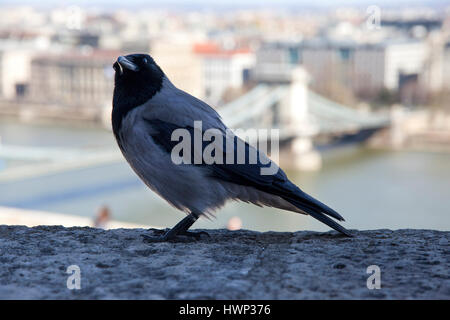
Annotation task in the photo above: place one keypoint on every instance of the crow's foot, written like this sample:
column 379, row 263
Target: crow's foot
column 186, row 236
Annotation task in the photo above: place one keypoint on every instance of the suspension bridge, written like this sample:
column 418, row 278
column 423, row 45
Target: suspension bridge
column 262, row 107
column 302, row 118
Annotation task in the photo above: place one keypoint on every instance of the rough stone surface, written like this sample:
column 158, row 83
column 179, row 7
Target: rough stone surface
column 116, row 264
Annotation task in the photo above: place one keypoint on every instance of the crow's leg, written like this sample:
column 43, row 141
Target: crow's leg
column 181, row 228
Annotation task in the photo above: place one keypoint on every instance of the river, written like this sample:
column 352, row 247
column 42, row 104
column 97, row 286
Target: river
column 372, row 189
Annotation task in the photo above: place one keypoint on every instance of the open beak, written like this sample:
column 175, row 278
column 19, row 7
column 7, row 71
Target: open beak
column 127, row 64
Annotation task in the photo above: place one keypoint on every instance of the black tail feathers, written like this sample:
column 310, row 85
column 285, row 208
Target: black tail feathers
column 314, row 208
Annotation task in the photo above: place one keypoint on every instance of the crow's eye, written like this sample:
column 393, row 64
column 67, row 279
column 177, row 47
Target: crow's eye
column 145, row 60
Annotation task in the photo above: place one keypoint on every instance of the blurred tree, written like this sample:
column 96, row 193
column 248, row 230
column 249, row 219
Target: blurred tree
column 439, row 100
column 386, row 97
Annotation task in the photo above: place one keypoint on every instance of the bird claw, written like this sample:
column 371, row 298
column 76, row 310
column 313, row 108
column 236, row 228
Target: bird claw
column 182, row 237
column 196, row 235
column 150, row 239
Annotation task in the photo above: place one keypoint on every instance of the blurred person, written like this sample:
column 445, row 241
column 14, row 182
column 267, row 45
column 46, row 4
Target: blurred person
column 235, row 223
column 103, row 217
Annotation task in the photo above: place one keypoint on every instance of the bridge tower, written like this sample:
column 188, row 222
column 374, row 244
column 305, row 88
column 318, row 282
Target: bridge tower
column 300, row 154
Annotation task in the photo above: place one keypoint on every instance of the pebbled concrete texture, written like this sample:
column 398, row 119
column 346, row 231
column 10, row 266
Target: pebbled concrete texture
column 117, row 264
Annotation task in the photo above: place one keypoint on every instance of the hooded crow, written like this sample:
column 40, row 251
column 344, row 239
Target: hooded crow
column 148, row 109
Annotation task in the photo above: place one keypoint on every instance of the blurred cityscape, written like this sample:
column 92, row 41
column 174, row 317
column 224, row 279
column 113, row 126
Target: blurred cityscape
column 326, row 77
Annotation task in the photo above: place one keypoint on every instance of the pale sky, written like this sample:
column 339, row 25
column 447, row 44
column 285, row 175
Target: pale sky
column 226, row 3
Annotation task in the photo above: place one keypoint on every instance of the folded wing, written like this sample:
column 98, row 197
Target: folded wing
column 248, row 173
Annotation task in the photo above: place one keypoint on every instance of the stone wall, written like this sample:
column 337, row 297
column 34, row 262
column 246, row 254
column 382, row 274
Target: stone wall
column 117, row 264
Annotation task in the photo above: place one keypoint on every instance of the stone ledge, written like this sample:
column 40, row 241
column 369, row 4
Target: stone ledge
column 116, row 264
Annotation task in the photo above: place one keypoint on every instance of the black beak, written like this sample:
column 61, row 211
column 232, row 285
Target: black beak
column 127, row 64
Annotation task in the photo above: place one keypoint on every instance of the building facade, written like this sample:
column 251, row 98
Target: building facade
column 73, row 79
column 223, row 69
column 179, row 62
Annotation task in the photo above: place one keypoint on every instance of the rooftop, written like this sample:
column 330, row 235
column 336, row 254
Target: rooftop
column 213, row 49
column 89, row 55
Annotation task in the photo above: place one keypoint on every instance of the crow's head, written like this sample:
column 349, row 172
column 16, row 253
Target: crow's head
column 137, row 79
